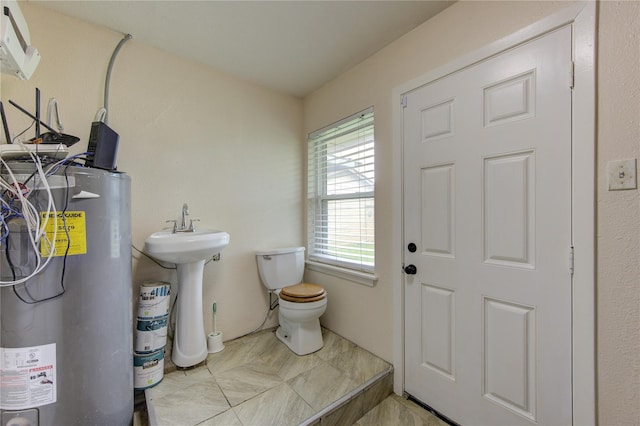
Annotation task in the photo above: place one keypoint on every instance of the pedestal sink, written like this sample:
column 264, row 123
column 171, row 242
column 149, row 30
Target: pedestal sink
column 188, row 250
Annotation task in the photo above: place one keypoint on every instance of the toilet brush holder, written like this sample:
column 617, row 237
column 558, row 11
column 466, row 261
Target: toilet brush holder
column 214, row 342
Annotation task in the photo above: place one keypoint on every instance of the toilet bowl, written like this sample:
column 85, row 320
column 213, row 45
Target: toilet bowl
column 301, row 304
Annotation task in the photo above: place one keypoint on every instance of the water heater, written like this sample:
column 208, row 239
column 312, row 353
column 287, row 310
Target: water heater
column 66, row 351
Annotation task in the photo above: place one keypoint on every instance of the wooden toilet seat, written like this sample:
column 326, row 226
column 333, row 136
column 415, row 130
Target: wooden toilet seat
column 302, row 293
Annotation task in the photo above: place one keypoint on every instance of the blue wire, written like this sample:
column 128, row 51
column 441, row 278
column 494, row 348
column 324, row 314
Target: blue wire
column 7, row 213
column 66, row 161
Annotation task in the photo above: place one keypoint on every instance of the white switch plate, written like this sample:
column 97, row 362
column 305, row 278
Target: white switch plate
column 622, row 174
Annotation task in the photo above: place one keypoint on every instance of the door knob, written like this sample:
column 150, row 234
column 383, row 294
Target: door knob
column 410, row 270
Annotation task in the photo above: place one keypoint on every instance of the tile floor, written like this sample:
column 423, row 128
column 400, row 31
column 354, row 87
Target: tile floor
column 398, row 411
column 257, row 380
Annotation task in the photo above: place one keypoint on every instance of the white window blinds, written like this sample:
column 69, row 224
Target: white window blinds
column 341, row 221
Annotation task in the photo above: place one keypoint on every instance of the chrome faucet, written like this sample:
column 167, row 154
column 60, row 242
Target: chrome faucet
column 185, row 213
column 183, row 224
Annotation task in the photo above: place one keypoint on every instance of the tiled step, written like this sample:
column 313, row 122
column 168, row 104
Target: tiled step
column 396, row 410
column 258, row 380
column 351, row 407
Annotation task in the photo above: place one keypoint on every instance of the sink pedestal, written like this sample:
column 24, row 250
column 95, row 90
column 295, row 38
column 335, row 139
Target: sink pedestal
column 189, row 340
column 187, row 249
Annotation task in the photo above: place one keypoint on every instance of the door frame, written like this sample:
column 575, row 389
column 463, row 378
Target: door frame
column 582, row 17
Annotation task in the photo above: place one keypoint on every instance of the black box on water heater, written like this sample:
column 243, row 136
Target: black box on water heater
column 103, row 144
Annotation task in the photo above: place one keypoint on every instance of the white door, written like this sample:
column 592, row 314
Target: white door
column 487, row 204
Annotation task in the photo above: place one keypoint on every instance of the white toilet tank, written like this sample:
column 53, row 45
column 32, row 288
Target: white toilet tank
column 281, row 267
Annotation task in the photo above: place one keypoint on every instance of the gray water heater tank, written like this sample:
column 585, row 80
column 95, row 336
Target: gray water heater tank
column 66, row 334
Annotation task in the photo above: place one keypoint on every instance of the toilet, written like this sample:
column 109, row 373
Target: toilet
column 301, row 304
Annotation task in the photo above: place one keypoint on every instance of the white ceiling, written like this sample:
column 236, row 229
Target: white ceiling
column 290, row 46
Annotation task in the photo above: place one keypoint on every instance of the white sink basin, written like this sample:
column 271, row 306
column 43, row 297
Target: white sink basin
column 185, row 247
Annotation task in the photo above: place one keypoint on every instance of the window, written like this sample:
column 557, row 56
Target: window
column 340, row 194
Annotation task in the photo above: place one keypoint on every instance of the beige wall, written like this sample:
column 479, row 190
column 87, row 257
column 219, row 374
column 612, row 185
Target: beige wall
column 363, row 314
column 239, row 150
column 188, row 134
column 618, row 229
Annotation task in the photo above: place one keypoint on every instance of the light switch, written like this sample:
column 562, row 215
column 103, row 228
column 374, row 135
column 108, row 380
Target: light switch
column 622, row 174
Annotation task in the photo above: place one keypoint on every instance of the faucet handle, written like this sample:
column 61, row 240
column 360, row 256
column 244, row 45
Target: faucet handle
column 191, row 227
column 175, row 224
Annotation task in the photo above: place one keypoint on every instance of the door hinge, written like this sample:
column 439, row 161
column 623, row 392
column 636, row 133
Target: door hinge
column 403, row 101
column 572, row 75
column 571, row 260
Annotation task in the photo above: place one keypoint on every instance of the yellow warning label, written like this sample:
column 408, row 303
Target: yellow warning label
column 73, row 225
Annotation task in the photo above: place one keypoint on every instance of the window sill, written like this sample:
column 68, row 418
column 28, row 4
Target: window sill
column 364, row 278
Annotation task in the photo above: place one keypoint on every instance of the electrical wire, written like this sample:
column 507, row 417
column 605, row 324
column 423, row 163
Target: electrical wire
column 17, row 192
column 15, row 138
column 52, row 169
column 171, row 326
column 271, row 307
column 100, row 115
column 151, row 258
